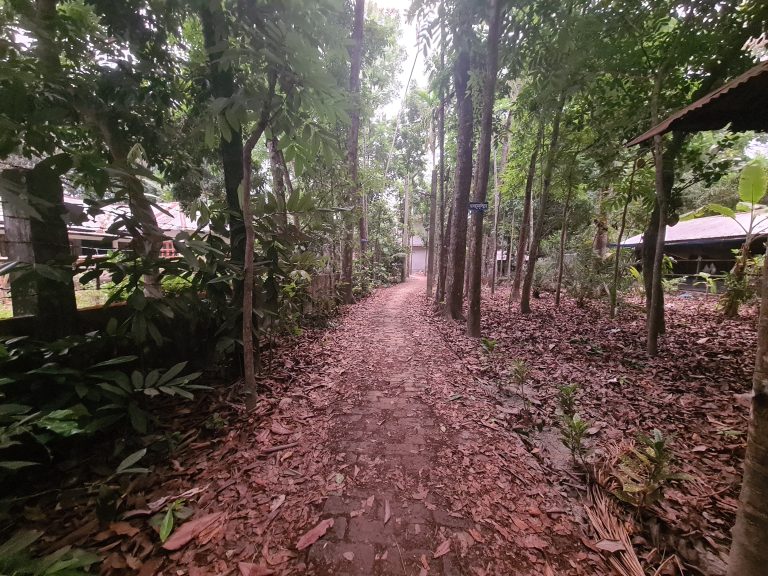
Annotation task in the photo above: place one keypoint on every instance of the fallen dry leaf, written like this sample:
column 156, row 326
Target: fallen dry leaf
column 249, row 569
column 387, row 512
column 443, row 549
column 279, row 429
column 314, row 534
column 610, row 545
column 349, row 556
column 190, row 530
column 123, row 529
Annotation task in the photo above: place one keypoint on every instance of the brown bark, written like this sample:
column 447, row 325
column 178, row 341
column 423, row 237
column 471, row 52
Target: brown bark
column 432, row 219
column 483, row 168
column 495, row 235
column 442, row 261
column 454, row 289
column 222, row 79
column 563, row 238
column 522, row 239
column 249, row 367
column 617, row 255
column 525, row 299
column 657, row 302
column 749, row 554
column 355, row 64
column 278, row 182
column 406, row 229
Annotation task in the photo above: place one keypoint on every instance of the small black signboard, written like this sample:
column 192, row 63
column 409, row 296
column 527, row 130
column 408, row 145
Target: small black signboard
column 478, row 206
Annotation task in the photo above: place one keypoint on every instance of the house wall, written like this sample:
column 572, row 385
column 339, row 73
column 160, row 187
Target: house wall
column 419, row 260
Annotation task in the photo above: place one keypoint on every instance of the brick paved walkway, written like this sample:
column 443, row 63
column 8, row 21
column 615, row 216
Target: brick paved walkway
column 388, row 519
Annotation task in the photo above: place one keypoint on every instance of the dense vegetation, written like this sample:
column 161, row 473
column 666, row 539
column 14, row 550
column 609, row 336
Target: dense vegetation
column 264, row 120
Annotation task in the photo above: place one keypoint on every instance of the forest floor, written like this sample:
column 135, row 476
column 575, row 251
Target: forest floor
column 392, row 444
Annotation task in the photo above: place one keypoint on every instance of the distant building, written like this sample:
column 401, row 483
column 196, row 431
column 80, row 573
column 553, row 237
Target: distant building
column 706, row 244
column 92, row 235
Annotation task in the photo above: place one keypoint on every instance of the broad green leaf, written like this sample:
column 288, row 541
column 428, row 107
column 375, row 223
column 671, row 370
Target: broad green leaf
column 171, row 373
column 115, row 361
column 130, row 460
column 720, row 209
column 16, row 465
column 752, row 182
column 167, row 525
column 19, row 542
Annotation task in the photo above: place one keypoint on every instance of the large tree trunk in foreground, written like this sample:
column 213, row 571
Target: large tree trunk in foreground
column 355, row 63
column 454, row 289
column 40, row 241
column 222, row 80
column 522, row 239
column 749, row 552
column 525, row 300
column 483, row 170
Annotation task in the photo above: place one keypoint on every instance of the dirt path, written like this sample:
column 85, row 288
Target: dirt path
column 426, row 493
column 383, row 426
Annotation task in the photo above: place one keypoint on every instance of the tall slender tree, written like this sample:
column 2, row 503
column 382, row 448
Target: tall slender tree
column 483, row 167
column 355, row 197
column 454, row 288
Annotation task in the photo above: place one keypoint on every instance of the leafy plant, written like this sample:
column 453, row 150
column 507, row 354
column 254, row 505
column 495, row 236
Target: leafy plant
column 16, row 558
column 488, row 344
column 644, row 471
column 573, row 434
column 520, row 373
column 567, row 397
column 708, row 280
column 165, row 522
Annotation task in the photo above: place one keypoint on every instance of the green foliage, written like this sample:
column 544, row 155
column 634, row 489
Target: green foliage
column 53, row 391
column 707, row 280
column 586, row 276
column 644, row 471
column 567, row 397
column 488, row 344
column 166, row 521
column 17, row 558
column 573, row 433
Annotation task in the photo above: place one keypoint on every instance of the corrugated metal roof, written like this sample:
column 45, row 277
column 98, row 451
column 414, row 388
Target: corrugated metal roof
column 171, row 219
column 742, row 102
column 709, row 228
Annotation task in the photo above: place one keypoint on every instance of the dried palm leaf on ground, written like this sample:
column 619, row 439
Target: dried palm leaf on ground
column 605, row 519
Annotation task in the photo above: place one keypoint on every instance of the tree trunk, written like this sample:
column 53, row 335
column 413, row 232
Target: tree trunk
column 355, row 64
column 483, row 168
column 525, row 300
column 617, row 254
column 432, row 217
column 454, row 290
column 278, row 182
column 522, row 239
column 563, row 238
column 442, row 261
column 288, row 185
column 600, row 242
column 40, row 241
column 657, row 302
column 222, row 81
column 496, row 207
column 249, row 366
column 406, row 226
column 749, row 554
